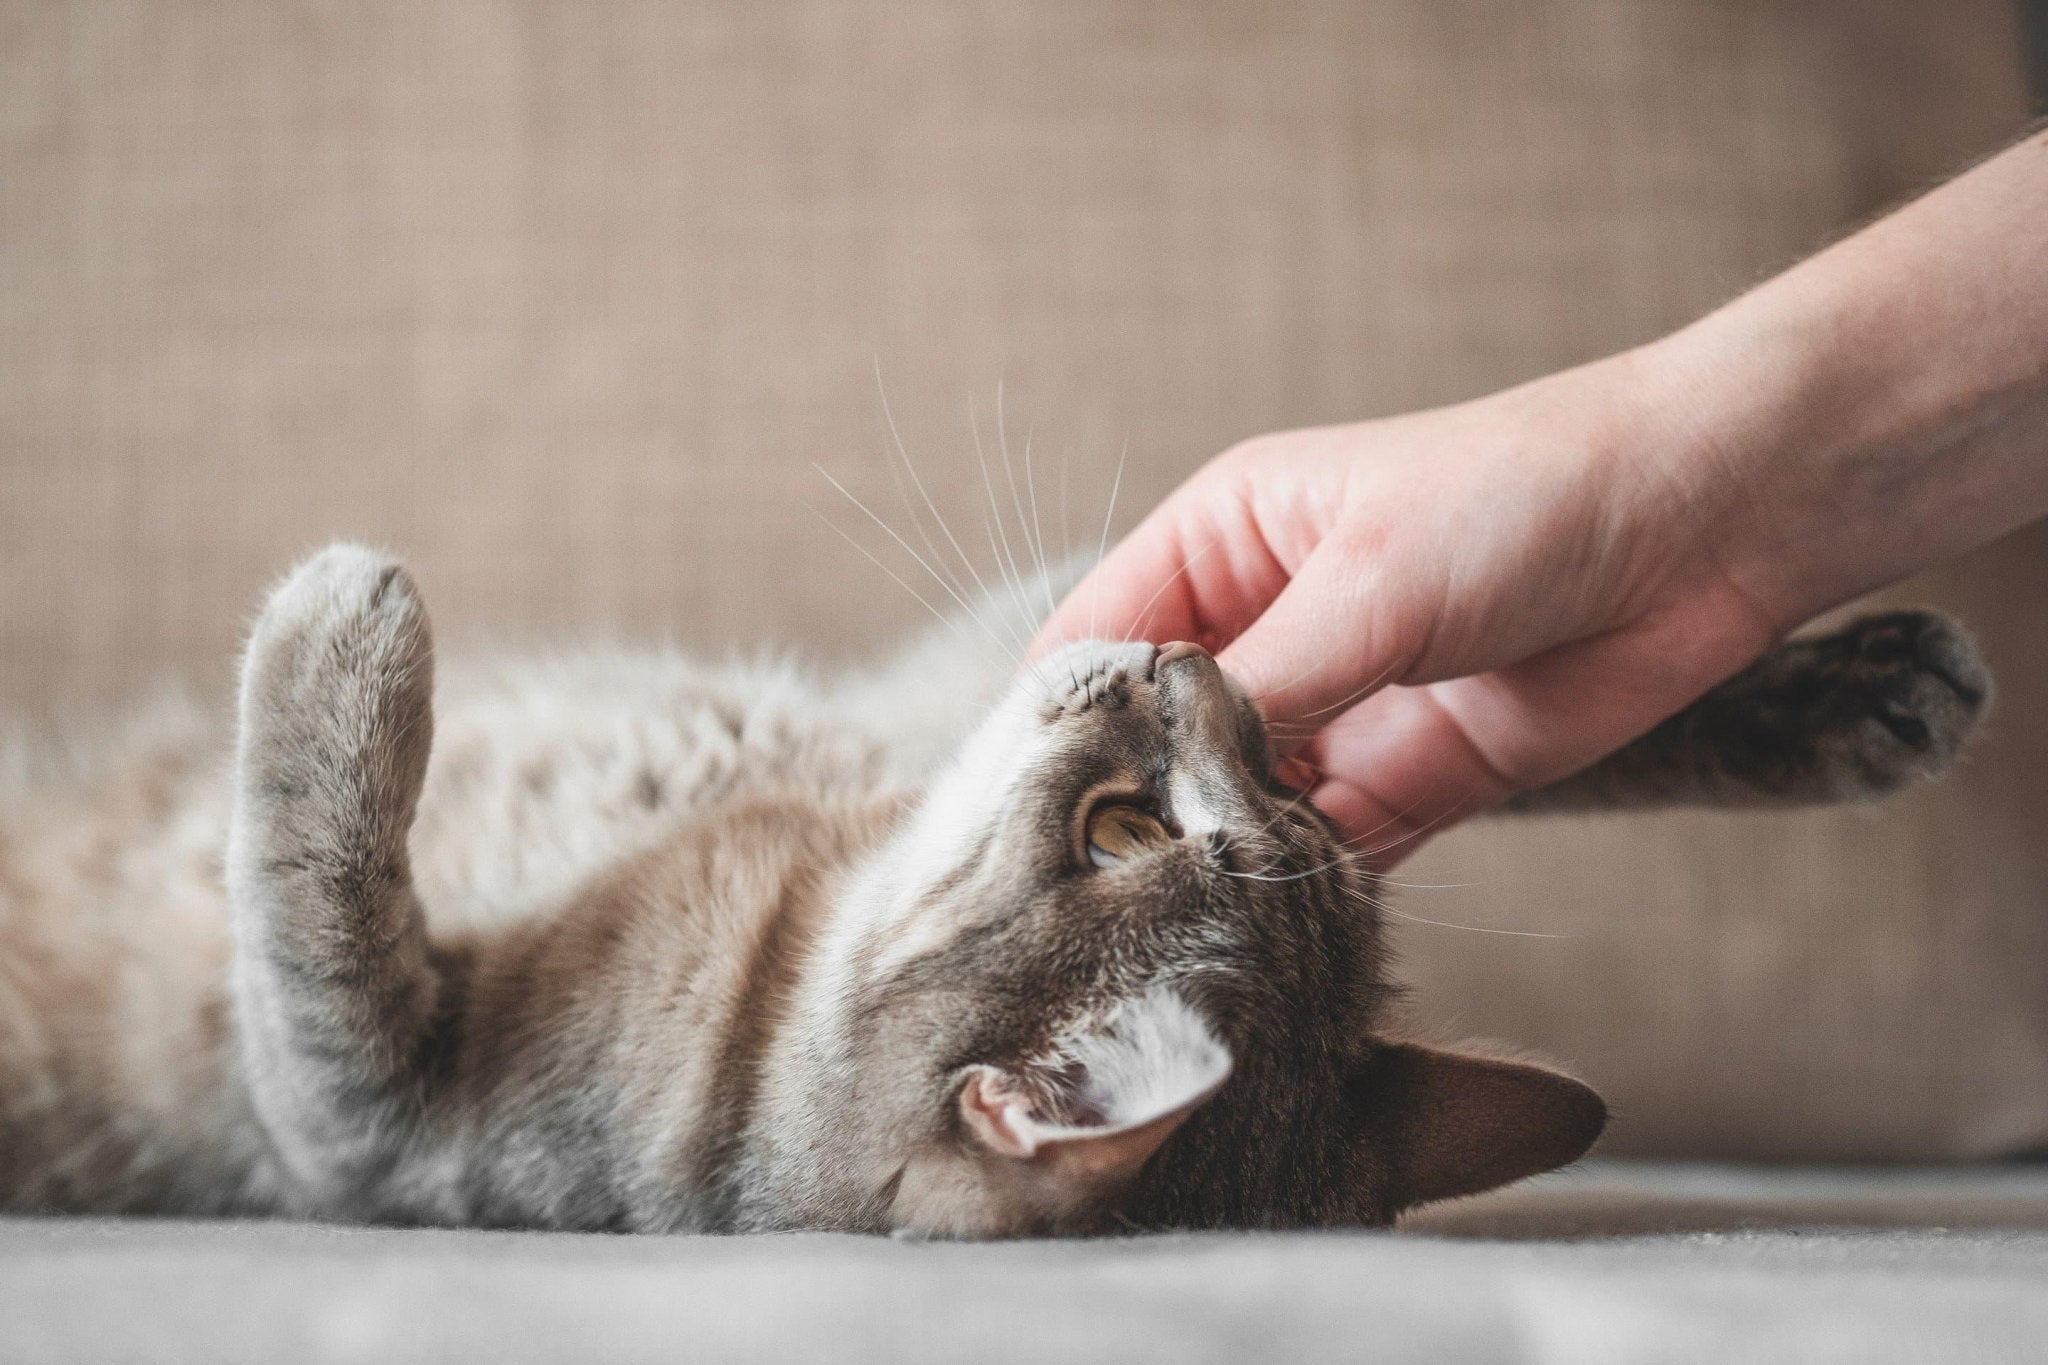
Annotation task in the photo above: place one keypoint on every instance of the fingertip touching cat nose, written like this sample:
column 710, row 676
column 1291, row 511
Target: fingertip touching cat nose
column 1196, row 669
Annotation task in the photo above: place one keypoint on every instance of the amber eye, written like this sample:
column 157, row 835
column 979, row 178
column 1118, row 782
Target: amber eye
column 1119, row 832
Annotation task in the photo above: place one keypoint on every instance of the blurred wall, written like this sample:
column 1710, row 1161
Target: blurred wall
column 564, row 301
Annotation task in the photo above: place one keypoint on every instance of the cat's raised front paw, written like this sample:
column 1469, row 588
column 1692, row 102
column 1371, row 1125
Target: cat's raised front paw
column 339, row 671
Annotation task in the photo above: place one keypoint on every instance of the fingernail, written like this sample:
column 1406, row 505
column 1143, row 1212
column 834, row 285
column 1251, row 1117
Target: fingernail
column 1294, row 774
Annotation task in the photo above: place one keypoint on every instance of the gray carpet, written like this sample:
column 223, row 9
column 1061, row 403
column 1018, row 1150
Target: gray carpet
column 1610, row 1262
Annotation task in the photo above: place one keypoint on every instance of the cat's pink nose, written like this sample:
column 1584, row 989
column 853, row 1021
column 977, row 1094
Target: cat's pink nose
column 1178, row 649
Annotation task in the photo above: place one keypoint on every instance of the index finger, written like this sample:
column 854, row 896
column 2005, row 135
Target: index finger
column 1195, row 569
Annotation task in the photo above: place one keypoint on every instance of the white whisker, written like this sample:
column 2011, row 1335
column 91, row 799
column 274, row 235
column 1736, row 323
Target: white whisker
column 1332, row 865
column 1280, row 815
column 1066, row 523
column 1006, row 559
column 1102, row 547
column 1469, row 928
column 1395, row 818
column 949, row 622
column 891, row 531
column 1066, row 533
column 1400, row 839
column 910, row 466
column 1016, row 495
column 1385, row 909
column 896, row 479
column 1346, row 700
column 1428, row 886
column 1145, row 612
column 1037, row 529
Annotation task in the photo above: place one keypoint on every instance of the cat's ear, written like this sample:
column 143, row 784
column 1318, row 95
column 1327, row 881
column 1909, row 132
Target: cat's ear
column 1455, row 1123
column 1108, row 1097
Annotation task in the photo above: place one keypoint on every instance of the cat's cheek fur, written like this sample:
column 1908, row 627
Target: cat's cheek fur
column 958, row 821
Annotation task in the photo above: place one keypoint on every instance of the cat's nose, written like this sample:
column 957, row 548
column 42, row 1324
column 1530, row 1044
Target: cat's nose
column 1188, row 674
column 1187, row 667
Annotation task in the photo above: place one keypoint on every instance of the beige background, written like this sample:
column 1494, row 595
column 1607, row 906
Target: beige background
column 563, row 301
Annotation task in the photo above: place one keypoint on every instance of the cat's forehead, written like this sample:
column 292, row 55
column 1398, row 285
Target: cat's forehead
column 1163, row 720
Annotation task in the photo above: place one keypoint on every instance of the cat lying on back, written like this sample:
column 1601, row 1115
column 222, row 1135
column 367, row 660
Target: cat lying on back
column 652, row 946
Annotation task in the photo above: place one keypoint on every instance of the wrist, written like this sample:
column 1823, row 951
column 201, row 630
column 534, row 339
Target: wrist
column 1781, row 455
column 1878, row 408
column 1831, row 451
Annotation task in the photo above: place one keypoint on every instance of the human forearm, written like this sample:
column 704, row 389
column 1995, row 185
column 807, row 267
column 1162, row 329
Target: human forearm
column 1551, row 571
column 1882, row 406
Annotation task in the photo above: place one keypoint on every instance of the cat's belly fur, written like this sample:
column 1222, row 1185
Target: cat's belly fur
column 118, row 1085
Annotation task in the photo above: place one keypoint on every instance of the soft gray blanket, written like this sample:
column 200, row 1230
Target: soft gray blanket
column 1610, row 1262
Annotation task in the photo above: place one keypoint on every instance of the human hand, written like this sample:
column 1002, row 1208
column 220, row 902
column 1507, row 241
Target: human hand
column 1437, row 610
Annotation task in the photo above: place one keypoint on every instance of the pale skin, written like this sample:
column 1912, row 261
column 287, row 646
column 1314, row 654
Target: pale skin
column 1440, row 609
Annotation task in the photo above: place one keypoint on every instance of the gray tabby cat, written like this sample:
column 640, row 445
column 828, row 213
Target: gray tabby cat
column 651, row 946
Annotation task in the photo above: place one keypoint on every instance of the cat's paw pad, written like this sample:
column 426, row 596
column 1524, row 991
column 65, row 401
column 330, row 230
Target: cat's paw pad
column 341, row 661
column 1894, row 696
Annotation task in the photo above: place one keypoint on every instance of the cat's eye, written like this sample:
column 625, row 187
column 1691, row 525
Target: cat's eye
column 1118, row 832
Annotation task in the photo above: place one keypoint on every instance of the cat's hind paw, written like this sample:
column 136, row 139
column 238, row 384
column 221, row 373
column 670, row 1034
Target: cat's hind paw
column 1885, row 701
column 1881, row 703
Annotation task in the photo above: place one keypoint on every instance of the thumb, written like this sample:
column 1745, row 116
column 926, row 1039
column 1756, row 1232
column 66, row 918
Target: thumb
column 1415, row 758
